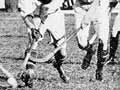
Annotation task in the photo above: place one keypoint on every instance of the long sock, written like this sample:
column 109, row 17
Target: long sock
column 113, row 46
column 100, row 62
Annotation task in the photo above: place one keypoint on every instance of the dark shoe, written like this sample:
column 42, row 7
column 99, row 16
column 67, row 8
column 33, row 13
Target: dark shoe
column 113, row 48
column 61, row 72
column 65, row 78
column 99, row 75
column 87, row 58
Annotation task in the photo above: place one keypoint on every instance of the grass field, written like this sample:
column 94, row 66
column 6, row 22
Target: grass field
column 13, row 42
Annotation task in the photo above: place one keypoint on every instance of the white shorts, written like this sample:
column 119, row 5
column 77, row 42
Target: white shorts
column 55, row 24
column 116, row 26
column 98, row 14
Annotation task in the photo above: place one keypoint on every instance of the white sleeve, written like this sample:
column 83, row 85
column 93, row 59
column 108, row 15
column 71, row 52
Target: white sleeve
column 38, row 3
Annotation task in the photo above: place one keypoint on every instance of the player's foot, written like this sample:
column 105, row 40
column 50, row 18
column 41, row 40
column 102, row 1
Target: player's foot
column 61, row 72
column 65, row 78
column 99, row 75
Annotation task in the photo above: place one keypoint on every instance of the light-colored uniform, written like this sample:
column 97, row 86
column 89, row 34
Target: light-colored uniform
column 2, row 4
column 99, row 15
column 116, row 26
column 80, row 12
column 28, row 6
column 55, row 23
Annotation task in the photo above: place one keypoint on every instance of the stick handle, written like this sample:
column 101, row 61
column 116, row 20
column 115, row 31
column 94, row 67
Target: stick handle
column 28, row 56
column 26, row 60
column 50, row 55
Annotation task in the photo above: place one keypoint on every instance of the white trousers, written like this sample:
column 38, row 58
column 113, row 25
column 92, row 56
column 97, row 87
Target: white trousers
column 99, row 15
column 116, row 26
column 56, row 26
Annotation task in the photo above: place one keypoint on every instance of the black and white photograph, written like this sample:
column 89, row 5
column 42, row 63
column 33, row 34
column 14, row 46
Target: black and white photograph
column 59, row 45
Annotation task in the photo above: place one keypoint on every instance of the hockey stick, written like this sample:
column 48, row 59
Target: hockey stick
column 27, row 56
column 29, row 52
column 50, row 55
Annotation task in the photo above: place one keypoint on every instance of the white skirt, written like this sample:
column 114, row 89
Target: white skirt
column 2, row 3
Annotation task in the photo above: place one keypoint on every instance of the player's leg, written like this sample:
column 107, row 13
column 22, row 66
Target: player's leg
column 59, row 57
column 57, row 29
column 102, row 55
column 83, row 34
column 100, row 61
column 114, row 38
column 88, row 57
column 103, row 35
column 90, row 50
column 85, row 45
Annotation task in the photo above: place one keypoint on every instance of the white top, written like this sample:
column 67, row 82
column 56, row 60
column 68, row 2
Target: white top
column 28, row 6
column 2, row 3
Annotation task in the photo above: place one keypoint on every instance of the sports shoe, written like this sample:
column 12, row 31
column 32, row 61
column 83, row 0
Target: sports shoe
column 65, row 78
column 99, row 75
